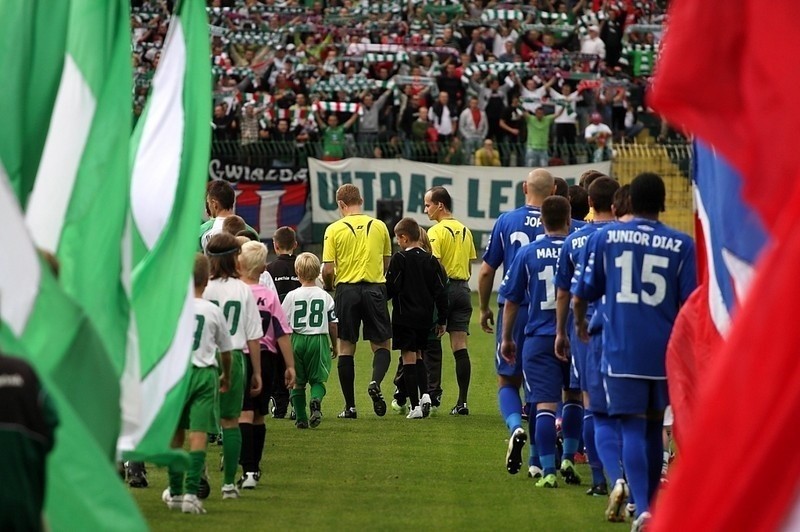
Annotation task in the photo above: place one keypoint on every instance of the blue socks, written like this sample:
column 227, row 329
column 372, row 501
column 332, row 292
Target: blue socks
column 634, row 456
column 609, row 450
column 510, row 407
column 546, row 440
column 655, row 454
column 533, row 457
column 571, row 426
column 591, row 449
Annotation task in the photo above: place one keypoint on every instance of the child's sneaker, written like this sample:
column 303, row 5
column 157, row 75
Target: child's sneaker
column 316, row 413
column 192, row 505
column 416, row 413
column 172, row 502
column 425, row 404
column 230, row 491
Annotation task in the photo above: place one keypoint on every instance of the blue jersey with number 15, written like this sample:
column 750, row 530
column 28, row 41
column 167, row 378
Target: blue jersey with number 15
column 646, row 270
column 531, row 278
column 510, row 233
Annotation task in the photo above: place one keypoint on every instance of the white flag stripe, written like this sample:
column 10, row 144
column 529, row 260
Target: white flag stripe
column 166, row 374
column 716, row 304
column 70, row 124
column 742, row 273
column 130, row 399
column 157, row 163
column 20, row 270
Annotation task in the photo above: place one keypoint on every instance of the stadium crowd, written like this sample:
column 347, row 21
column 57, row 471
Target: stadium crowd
column 448, row 81
column 460, row 83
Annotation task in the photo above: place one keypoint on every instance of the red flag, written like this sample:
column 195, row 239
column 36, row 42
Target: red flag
column 725, row 76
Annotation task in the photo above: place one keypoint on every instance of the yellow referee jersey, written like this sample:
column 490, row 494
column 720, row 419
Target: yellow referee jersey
column 356, row 245
column 452, row 244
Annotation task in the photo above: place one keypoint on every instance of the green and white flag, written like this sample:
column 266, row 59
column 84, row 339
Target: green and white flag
column 79, row 202
column 33, row 33
column 39, row 321
column 42, row 324
column 169, row 160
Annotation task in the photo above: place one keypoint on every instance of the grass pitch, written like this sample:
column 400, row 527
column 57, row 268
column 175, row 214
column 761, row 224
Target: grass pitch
column 440, row 473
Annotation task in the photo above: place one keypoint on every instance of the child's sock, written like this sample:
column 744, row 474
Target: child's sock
column 259, row 437
column 246, row 456
column 422, row 377
column 175, row 481
column 410, row 378
column 197, row 460
column 298, row 398
column 318, row 391
column 231, row 449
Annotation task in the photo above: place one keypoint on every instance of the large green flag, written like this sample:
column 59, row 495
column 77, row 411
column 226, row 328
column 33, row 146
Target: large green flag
column 169, row 160
column 79, row 202
column 34, row 32
column 42, row 324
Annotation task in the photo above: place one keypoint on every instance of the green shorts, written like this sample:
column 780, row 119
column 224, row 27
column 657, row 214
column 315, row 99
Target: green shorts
column 200, row 408
column 230, row 402
column 312, row 358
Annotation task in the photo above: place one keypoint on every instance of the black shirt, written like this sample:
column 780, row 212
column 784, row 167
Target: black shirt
column 413, row 300
column 282, row 272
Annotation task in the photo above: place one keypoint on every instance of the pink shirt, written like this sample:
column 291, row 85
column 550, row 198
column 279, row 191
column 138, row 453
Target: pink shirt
column 273, row 319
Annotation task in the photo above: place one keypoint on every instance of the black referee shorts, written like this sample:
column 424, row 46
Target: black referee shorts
column 358, row 303
column 460, row 306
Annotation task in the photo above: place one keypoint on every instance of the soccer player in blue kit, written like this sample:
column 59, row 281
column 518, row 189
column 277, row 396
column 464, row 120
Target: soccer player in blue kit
column 512, row 231
column 530, row 279
column 568, row 346
column 646, row 271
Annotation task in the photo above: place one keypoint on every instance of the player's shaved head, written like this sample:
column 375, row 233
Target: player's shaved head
column 540, row 184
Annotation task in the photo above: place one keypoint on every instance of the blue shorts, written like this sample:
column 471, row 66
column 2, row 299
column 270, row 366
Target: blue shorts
column 592, row 378
column 633, row 396
column 503, row 367
column 578, row 352
column 545, row 375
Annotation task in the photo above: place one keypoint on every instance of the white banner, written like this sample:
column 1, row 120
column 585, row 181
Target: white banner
column 480, row 194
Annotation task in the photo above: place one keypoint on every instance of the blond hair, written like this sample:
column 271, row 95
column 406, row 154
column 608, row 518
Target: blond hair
column 424, row 241
column 307, row 266
column 253, row 259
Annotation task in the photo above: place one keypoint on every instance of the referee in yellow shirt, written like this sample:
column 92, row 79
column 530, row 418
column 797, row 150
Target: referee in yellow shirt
column 355, row 255
column 452, row 244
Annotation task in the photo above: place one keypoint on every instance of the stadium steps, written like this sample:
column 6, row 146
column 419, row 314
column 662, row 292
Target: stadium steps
column 633, row 159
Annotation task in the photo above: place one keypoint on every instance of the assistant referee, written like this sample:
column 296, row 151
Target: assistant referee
column 452, row 244
column 355, row 255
